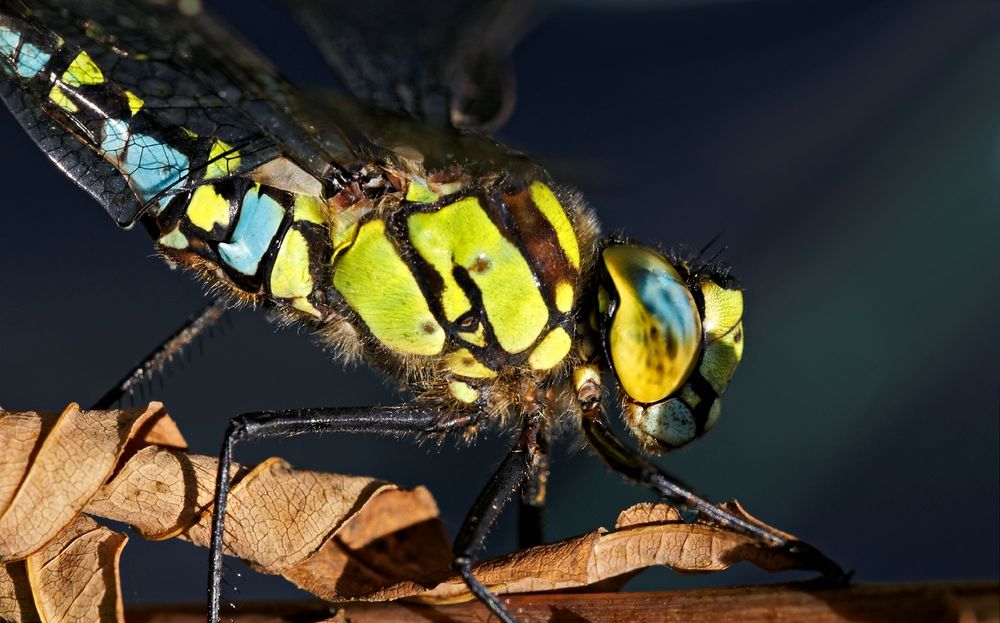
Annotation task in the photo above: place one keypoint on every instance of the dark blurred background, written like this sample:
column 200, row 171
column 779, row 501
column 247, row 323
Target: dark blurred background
column 850, row 151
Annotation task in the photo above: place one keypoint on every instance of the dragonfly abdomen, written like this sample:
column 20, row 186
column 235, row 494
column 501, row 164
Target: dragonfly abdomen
column 261, row 240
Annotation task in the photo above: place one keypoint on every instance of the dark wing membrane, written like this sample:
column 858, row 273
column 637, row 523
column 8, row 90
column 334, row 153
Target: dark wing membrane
column 138, row 101
column 443, row 61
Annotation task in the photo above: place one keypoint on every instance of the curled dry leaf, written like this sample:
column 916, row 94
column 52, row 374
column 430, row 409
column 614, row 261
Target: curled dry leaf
column 339, row 537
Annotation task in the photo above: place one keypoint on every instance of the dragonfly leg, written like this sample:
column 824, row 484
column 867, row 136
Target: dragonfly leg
column 389, row 420
column 531, row 503
column 634, row 466
column 162, row 354
column 504, row 483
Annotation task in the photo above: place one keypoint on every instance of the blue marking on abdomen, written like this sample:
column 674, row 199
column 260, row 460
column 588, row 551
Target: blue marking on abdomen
column 115, row 137
column 152, row 167
column 259, row 220
column 8, row 41
column 31, row 60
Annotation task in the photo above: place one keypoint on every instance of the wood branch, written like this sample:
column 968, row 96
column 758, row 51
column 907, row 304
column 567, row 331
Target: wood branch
column 967, row 602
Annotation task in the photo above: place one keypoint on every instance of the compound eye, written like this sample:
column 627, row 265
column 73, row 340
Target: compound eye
column 655, row 334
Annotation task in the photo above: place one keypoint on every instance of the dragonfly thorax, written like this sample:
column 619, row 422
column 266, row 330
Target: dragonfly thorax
column 484, row 281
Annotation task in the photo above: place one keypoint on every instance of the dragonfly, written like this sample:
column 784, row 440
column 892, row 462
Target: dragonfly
column 393, row 227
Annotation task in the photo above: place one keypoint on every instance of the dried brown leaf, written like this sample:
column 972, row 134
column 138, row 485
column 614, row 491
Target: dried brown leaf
column 73, row 578
column 16, row 604
column 339, row 537
column 59, row 466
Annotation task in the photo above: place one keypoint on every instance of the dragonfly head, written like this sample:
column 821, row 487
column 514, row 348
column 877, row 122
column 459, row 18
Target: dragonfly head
column 672, row 335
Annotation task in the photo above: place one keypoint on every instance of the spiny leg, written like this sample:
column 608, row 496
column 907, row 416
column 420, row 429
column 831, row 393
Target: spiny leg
column 501, row 487
column 391, row 420
column 162, row 354
column 638, row 468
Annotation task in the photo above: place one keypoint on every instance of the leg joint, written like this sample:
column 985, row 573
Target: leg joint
column 239, row 426
column 462, row 565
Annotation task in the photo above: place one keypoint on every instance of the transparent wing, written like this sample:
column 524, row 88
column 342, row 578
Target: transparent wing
column 443, row 61
column 137, row 100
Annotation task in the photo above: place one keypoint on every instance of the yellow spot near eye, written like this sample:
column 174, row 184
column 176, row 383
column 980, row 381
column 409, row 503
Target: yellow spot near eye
column 602, row 299
column 418, row 192
column 462, row 234
column 174, row 239
column 723, row 309
column 721, row 357
column 379, row 286
column 208, row 208
column 551, row 350
column 223, row 160
column 83, row 70
column 564, row 296
column 60, row 99
column 463, row 363
column 689, row 397
column 463, row 392
column 134, row 102
column 290, row 277
column 309, row 209
column 556, row 216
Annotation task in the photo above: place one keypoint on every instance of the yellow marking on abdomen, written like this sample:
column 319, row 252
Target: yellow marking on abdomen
column 290, row 277
column 379, row 286
column 461, row 233
column 208, row 208
column 223, row 160
column 551, row 350
column 134, row 102
column 308, row 209
column 60, row 99
column 174, row 239
column 549, row 206
column 83, row 70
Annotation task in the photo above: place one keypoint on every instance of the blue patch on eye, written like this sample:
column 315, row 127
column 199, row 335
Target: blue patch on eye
column 667, row 300
column 31, row 60
column 260, row 217
column 115, row 137
column 8, row 41
column 152, row 167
